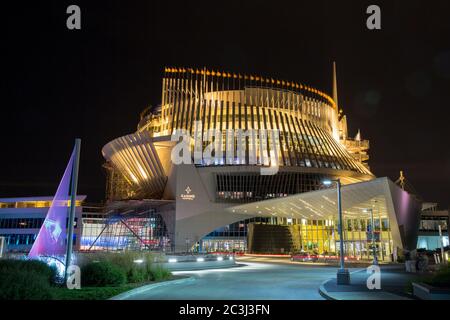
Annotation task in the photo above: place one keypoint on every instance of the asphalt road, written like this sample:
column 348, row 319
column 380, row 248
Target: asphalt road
column 254, row 280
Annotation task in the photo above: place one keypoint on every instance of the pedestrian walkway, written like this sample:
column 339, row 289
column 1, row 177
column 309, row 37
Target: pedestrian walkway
column 286, row 260
column 394, row 281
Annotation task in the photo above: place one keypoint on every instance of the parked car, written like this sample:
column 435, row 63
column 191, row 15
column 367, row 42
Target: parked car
column 304, row 257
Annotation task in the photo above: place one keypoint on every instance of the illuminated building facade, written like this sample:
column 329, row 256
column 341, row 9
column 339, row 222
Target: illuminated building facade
column 22, row 218
column 431, row 220
column 141, row 228
column 216, row 204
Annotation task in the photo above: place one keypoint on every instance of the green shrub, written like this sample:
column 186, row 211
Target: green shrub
column 135, row 272
column 159, row 273
column 30, row 266
column 440, row 279
column 21, row 284
column 49, row 272
column 125, row 261
column 100, row 274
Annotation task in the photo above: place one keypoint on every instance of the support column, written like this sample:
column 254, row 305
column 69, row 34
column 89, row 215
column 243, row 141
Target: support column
column 73, row 198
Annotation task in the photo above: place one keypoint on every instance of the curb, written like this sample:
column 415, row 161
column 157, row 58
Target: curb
column 125, row 295
column 324, row 293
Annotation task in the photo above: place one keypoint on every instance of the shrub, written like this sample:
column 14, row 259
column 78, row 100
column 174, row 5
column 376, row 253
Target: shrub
column 125, row 261
column 440, row 279
column 159, row 273
column 29, row 266
column 137, row 275
column 135, row 272
column 21, row 284
column 121, row 259
column 49, row 272
column 104, row 273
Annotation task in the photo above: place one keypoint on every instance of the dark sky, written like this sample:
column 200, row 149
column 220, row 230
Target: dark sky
column 57, row 84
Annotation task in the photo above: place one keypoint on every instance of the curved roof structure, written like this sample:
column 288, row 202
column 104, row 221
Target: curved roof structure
column 197, row 101
column 137, row 159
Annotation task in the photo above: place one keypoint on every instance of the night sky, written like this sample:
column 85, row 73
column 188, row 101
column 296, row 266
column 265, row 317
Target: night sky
column 58, row 84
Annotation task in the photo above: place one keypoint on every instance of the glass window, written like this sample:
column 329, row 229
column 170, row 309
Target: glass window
column 377, row 224
column 385, row 224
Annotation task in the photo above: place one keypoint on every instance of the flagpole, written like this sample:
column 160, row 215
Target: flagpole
column 73, row 198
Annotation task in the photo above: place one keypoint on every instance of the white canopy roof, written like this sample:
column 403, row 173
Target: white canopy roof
column 322, row 204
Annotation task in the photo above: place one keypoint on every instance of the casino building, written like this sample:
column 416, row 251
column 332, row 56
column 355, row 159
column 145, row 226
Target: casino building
column 227, row 204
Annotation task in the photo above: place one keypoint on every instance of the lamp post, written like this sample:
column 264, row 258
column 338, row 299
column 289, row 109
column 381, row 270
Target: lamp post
column 441, row 240
column 73, row 198
column 372, row 229
column 343, row 276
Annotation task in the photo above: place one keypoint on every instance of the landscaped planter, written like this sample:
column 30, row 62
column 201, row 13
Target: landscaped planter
column 426, row 292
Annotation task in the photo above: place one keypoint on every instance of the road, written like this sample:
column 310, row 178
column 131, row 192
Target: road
column 254, row 280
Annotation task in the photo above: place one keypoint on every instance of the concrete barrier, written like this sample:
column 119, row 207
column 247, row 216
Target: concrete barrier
column 426, row 292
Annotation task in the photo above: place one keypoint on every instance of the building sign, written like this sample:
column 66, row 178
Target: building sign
column 188, row 195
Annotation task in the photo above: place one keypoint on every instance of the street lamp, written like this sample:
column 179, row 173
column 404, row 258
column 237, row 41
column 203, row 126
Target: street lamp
column 343, row 276
column 372, row 228
column 441, row 240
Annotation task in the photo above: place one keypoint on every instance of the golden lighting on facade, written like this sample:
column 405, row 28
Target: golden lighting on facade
column 35, row 204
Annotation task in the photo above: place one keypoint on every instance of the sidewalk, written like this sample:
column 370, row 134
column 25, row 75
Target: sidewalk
column 393, row 283
column 286, row 260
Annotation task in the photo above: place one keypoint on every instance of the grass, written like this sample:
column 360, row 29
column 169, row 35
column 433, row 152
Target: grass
column 98, row 293
column 90, row 293
column 105, row 275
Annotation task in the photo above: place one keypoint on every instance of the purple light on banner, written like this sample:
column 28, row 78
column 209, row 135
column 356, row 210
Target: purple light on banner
column 51, row 240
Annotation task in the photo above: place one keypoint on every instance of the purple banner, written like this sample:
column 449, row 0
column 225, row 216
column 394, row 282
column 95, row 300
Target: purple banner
column 51, row 240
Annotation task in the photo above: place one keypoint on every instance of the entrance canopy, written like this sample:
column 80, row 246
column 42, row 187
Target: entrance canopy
column 322, row 204
column 381, row 195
